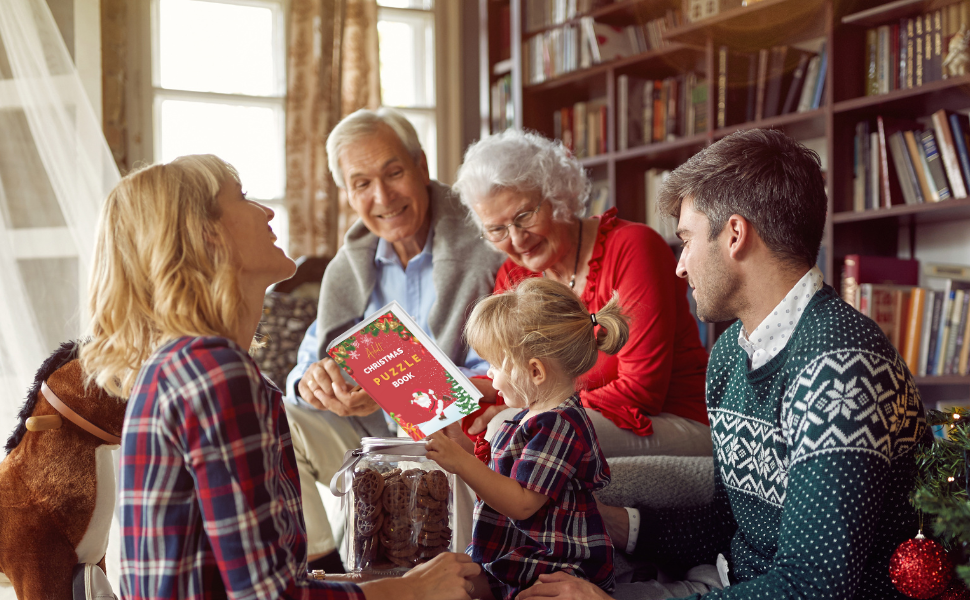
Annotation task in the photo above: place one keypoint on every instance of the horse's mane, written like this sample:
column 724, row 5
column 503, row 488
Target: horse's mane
column 63, row 355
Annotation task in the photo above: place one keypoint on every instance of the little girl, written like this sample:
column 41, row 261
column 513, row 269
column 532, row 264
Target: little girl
column 536, row 513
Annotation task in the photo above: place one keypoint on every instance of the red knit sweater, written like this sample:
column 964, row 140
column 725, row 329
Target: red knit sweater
column 663, row 365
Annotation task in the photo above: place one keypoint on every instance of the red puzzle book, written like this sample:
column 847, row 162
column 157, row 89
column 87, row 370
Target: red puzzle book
column 403, row 370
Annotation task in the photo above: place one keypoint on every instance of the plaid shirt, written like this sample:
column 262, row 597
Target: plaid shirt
column 553, row 453
column 210, row 495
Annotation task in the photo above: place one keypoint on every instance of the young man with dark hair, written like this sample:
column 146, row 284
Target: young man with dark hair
column 814, row 416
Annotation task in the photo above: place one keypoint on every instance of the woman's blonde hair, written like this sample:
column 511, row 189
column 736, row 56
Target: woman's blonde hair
column 162, row 268
column 541, row 318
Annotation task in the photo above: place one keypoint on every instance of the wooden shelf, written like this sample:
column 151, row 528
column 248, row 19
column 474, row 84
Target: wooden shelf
column 928, row 380
column 761, row 25
column 903, row 99
column 810, row 121
column 660, row 148
column 617, row 9
column 892, row 11
column 601, row 68
column 934, row 212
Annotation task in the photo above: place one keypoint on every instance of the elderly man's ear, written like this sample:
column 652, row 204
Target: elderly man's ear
column 423, row 167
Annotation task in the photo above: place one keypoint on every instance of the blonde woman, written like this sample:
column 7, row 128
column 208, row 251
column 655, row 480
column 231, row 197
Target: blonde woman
column 209, row 485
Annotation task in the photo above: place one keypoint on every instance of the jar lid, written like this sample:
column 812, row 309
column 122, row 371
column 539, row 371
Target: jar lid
column 393, row 445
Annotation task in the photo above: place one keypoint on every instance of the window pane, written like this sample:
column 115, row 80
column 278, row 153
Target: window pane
column 426, row 128
column 407, row 59
column 250, row 138
column 26, row 196
column 211, row 47
column 422, row 4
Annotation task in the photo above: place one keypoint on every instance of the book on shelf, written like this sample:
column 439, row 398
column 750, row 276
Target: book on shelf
column 888, row 306
column 503, row 109
column 697, row 10
column 910, row 52
column 936, row 176
column 914, row 329
column 660, row 110
column 961, row 140
column 733, row 87
column 599, row 198
column 858, row 269
column 948, row 153
column 405, row 372
column 916, row 154
column 883, row 174
column 540, row 14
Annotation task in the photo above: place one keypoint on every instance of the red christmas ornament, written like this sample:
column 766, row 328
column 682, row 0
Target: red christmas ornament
column 955, row 591
column 920, row 568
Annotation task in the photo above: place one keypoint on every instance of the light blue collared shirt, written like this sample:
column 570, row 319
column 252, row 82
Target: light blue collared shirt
column 412, row 287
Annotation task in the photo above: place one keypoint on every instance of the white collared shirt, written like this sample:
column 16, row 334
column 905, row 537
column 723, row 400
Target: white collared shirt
column 771, row 336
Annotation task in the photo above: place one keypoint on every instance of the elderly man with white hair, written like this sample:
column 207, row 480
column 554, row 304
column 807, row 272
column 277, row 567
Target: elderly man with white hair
column 413, row 243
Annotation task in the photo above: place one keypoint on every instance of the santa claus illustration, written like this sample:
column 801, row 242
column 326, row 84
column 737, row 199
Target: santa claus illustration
column 429, row 401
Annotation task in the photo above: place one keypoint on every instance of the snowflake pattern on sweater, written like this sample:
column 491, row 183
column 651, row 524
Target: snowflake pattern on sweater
column 814, row 462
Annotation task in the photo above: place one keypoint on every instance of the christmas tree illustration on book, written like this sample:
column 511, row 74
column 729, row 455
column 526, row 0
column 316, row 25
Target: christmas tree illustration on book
column 405, row 372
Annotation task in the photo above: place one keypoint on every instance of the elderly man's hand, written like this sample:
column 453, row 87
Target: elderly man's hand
column 323, row 387
column 563, row 587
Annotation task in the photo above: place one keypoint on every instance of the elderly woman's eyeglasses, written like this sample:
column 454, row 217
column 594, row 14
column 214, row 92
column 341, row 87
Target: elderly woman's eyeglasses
column 523, row 220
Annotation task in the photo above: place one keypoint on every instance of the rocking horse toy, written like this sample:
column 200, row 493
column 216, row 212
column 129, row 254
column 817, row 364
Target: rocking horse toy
column 57, row 485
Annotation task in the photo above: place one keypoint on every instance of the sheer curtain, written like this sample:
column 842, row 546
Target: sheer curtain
column 55, row 169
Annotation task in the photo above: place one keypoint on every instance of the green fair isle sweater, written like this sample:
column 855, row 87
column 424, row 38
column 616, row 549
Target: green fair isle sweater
column 813, row 463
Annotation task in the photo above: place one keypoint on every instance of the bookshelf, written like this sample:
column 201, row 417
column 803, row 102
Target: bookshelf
column 694, row 47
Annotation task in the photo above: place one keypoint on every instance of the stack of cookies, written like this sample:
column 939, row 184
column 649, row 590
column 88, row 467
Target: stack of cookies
column 401, row 518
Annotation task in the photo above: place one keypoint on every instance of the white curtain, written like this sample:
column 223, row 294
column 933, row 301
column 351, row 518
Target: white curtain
column 55, row 169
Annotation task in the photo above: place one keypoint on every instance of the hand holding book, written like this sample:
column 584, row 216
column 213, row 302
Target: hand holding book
column 404, row 371
column 323, row 387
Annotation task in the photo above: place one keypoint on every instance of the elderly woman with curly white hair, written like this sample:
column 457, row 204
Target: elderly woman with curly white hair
column 529, row 195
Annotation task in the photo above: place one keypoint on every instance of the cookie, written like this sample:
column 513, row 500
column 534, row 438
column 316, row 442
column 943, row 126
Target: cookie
column 368, row 528
column 437, row 484
column 427, row 502
column 429, row 538
column 402, row 562
column 391, row 474
column 397, row 498
column 412, row 477
column 403, row 552
column 397, row 527
column 368, row 512
column 419, row 514
column 368, row 485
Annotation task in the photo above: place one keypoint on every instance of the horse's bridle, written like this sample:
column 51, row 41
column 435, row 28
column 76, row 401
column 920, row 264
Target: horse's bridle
column 75, row 418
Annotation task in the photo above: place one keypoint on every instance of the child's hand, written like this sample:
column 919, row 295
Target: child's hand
column 444, row 451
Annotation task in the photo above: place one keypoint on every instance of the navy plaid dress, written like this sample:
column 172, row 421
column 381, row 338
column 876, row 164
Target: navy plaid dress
column 553, row 453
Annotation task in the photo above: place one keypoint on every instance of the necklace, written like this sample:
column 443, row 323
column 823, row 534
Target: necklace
column 579, row 250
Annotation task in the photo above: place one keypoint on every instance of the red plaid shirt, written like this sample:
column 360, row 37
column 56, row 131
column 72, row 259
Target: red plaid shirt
column 553, row 453
column 210, row 495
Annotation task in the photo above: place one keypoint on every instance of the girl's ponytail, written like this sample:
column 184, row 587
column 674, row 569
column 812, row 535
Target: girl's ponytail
column 614, row 331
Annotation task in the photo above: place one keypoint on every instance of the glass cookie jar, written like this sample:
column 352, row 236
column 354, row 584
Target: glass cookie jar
column 398, row 505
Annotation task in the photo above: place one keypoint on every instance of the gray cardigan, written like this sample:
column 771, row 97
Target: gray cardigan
column 463, row 270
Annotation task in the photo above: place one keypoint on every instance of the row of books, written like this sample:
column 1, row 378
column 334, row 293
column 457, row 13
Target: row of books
column 582, row 128
column 929, row 325
column 651, row 111
column 913, row 51
column 540, row 14
column 773, row 81
column 578, row 46
column 901, row 162
column 503, row 109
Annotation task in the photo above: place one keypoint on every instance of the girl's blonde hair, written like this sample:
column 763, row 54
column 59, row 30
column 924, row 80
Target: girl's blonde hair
column 541, row 318
column 162, row 268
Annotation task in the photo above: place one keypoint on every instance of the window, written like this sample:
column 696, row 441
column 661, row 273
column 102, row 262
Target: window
column 407, row 54
column 218, row 87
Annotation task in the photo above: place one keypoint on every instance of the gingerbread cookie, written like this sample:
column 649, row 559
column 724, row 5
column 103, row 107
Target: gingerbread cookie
column 368, row 485
column 368, row 528
column 397, row 498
